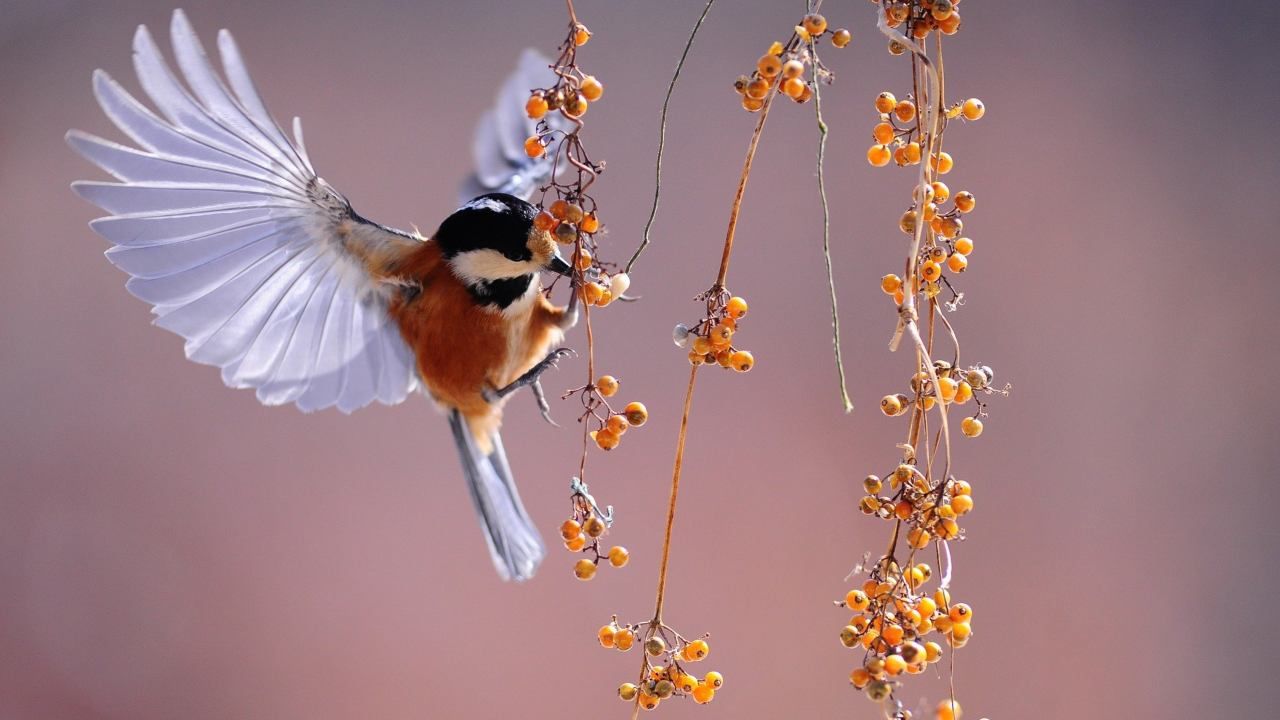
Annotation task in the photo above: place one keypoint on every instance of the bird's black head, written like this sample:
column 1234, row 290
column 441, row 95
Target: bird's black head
column 493, row 247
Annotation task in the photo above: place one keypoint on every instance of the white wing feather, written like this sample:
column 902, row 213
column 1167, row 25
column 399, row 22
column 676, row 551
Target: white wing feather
column 501, row 164
column 238, row 245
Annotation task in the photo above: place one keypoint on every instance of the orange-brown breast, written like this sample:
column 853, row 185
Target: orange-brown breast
column 463, row 348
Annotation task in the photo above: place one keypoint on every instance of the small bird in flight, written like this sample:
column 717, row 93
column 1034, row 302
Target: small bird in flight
column 268, row 273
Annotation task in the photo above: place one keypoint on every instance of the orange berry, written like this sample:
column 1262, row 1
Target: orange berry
column 930, row 271
column 962, row 504
column 961, row 613
column 570, row 529
column 918, row 538
column 964, row 393
column 961, row 487
column 907, row 223
column 590, row 223
column 883, row 133
column 606, row 439
column 533, row 147
column 628, row 691
column 971, row 427
column 758, row 88
column 947, row 388
column 943, row 163
column 890, row 284
column 624, row 639
column 957, row 263
column 576, row 543
column 932, row 651
column 905, row 110
column 892, row 633
column 704, row 694
column 617, row 424
column 607, row 385
column 769, row 65
column 973, row 109
column 878, row 155
column 794, row 87
column 714, row 679
column 857, row 600
column 618, row 556
column 591, row 88
column 594, row 527
column 648, row 702
column 948, row 710
column 636, row 413
column 890, row 405
column 960, row 631
column 792, row 68
column 536, row 107
column 606, row 634
column 841, row 38
column 814, row 24
column 964, row 246
column 581, row 35
column 721, row 335
column 886, row 102
column 584, row 259
column 751, row 104
column 544, row 221
column 894, row 664
column 965, row 201
column 859, row 677
column 742, row 361
column 912, row 152
column 584, row 569
column 696, row 650
column 736, row 307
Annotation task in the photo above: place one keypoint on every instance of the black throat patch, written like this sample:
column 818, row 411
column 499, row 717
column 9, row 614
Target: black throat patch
column 500, row 292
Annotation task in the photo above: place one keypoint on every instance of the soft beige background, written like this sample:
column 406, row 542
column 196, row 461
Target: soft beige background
column 169, row 549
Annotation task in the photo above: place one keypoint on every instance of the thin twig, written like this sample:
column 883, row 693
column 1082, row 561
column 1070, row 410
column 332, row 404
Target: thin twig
column 662, row 138
column 826, row 234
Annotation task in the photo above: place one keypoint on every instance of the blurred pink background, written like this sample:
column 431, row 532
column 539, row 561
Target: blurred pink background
column 170, row 549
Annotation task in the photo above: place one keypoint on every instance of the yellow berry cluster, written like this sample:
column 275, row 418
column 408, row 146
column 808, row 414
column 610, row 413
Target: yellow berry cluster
column 665, row 673
column 710, row 341
column 921, row 18
column 611, row 424
column 955, row 385
column 584, row 531
column 784, row 67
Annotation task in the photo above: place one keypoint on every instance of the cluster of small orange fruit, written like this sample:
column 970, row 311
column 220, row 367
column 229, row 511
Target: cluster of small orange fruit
column 583, row 533
column 665, row 676
column 929, row 509
column 710, row 342
column 894, row 131
column 922, row 17
column 609, row 434
column 785, row 66
column 571, row 95
column 954, row 386
column 893, row 623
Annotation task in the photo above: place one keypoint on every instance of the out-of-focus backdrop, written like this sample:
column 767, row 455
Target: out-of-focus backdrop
column 171, row 549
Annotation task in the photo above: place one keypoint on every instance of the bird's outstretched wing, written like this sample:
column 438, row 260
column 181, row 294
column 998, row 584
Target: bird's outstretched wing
column 241, row 248
column 501, row 164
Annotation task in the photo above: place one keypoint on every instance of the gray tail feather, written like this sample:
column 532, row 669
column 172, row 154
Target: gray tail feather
column 514, row 542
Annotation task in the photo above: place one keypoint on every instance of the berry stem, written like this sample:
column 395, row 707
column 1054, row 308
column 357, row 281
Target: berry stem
column 671, row 503
column 662, row 138
column 826, row 233
column 742, row 186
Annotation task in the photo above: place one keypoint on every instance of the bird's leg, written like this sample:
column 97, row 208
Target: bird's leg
column 530, row 377
column 543, row 406
column 570, row 316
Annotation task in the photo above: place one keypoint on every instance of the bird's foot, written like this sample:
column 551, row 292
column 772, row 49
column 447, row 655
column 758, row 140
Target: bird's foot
column 543, row 406
column 533, row 373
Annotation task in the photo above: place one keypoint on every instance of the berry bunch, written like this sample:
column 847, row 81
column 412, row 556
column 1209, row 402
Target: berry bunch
column 570, row 214
column 954, row 385
column 920, row 496
column 784, row 67
column 710, row 341
column 584, row 530
column 666, row 657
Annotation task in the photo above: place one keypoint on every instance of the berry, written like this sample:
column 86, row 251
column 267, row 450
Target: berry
column 905, row 110
column 758, row 88
column 963, row 245
column 841, row 38
column 648, row 702
column 606, row 634
column 973, row 109
column 618, row 556
column 883, row 133
column 591, row 88
column 736, row 308
column 930, row 271
column 890, row 284
column 769, row 65
column 624, row 639
column 605, row 439
column 636, row 413
column 581, row 35
column 584, row 569
column 878, row 155
column 965, row 201
column 536, row 107
column 570, row 529
column 714, row 679
column 962, row 504
column 607, row 385
column 971, row 427
column 654, row 646
column 575, row 105
column 948, row 710
column 576, row 543
column 792, row 68
column 794, row 87
column 814, row 24
column 890, row 405
column 857, row 600
column 742, row 361
column 627, row 691
column 704, row 694
column 594, row 527
column 617, row 424
column 961, row 613
column 696, row 650
column 872, row 484
column 943, row 163
column 886, row 102
column 533, row 147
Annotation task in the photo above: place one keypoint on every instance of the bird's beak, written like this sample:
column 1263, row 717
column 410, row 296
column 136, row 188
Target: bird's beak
column 558, row 266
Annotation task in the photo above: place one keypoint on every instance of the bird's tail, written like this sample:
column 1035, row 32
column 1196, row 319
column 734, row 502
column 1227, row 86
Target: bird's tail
column 513, row 540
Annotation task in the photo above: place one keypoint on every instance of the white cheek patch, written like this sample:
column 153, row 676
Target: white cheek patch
column 480, row 265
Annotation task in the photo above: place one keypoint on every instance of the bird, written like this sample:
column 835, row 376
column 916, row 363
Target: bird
column 269, row 274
